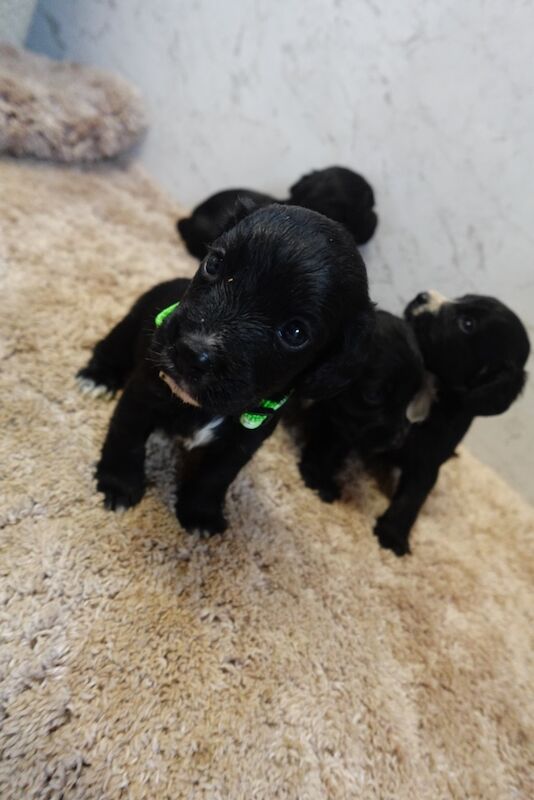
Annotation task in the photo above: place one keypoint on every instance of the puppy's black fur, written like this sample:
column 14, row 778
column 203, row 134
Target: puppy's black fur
column 372, row 414
column 340, row 194
column 280, row 303
column 209, row 219
column 337, row 192
column 476, row 348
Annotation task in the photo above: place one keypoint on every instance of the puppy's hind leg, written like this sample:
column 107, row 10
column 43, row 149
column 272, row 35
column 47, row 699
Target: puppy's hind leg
column 113, row 359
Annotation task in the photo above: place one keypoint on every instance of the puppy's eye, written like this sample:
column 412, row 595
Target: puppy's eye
column 294, row 334
column 466, row 323
column 211, row 267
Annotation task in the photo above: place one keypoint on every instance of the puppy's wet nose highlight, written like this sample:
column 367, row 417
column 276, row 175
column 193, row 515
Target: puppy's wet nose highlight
column 195, row 355
column 203, row 358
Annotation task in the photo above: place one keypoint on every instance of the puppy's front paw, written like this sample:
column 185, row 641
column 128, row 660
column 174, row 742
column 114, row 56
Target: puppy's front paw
column 206, row 520
column 326, row 488
column 98, row 381
column 120, row 490
column 391, row 536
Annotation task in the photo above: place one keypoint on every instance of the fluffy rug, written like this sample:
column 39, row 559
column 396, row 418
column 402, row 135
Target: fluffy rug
column 290, row 658
column 63, row 111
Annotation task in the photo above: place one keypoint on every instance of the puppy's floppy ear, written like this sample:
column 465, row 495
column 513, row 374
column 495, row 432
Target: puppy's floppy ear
column 193, row 236
column 242, row 207
column 495, row 390
column 342, row 364
column 188, row 228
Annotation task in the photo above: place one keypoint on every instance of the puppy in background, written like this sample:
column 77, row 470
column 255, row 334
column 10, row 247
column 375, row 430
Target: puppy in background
column 370, row 416
column 476, row 349
column 340, row 194
column 337, row 192
column 211, row 217
column 280, row 304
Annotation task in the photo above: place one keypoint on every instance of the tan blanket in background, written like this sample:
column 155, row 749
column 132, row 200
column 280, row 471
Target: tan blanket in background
column 290, row 658
column 65, row 111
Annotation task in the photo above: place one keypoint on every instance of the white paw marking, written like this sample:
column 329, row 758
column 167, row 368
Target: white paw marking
column 92, row 389
column 202, row 533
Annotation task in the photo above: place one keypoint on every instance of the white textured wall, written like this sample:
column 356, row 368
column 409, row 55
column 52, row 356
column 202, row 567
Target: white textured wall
column 433, row 101
column 15, row 17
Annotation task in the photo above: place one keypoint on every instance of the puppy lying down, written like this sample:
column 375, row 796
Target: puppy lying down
column 337, row 192
column 475, row 349
column 279, row 305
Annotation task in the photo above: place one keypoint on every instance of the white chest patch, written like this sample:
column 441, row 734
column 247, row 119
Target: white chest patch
column 204, row 435
column 420, row 405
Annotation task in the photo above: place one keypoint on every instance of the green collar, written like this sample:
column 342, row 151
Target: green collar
column 254, row 419
column 162, row 316
column 249, row 419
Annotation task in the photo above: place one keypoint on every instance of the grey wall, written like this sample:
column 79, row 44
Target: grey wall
column 434, row 102
column 15, row 18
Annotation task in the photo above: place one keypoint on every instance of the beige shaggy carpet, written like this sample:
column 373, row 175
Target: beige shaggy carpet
column 64, row 111
column 289, row 659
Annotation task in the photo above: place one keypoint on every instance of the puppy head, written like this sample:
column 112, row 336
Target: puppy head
column 215, row 215
column 280, row 302
column 391, row 392
column 339, row 194
column 475, row 345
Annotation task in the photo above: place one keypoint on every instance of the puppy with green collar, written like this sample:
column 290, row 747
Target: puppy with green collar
column 280, row 304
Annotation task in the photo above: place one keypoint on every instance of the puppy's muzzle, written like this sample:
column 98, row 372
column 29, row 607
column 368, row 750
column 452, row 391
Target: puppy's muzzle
column 195, row 356
column 197, row 353
column 192, row 361
column 184, row 396
column 426, row 302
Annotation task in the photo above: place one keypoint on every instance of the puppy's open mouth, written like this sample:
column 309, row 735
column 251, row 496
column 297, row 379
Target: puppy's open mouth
column 184, row 396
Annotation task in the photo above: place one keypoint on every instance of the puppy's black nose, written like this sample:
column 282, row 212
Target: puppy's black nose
column 421, row 299
column 193, row 357
column 203, row 358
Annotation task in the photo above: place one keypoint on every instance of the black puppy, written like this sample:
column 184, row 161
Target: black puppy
column 338, row 193
column 209, row 219
column 371, row 415
column 476, row 349
column 280, row 303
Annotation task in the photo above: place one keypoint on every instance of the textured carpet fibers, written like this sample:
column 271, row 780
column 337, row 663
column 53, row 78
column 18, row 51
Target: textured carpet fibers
column 290, row 658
